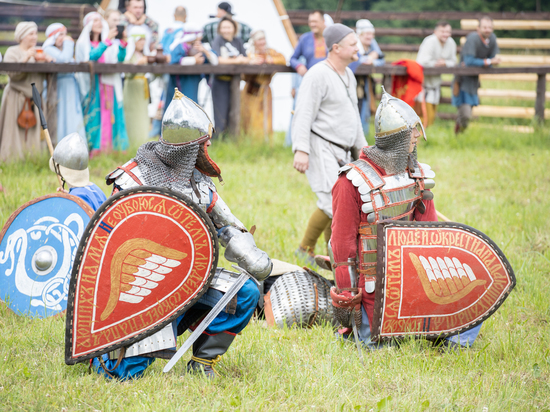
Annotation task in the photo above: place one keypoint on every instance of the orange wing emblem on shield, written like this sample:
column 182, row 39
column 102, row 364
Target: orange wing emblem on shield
column 138, row 266
column 445, row 280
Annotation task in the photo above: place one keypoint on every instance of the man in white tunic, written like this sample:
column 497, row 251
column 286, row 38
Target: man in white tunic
column 326, row 127
column 436, row 50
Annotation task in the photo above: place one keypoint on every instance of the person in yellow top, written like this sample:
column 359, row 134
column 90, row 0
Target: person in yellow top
column 256, row 99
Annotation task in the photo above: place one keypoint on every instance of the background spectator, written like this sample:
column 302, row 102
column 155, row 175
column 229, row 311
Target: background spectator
column 436, row 50
column 135, row 16
column 256, row 98
column 230, row 50
column 136, row 89
column 188, row 52
column 311, row 49
column 172, row 35
column 211, row 29
column 369, row 54
column 102, row 105
column 19, row 121
column 479, row 50
column 112, row 17
column 311, row 44
column 60, row 47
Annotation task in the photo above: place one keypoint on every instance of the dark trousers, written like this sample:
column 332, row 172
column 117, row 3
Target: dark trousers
column 221, row 95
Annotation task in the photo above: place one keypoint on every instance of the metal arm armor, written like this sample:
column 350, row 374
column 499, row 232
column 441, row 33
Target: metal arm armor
column 241, row 249
column 221, row 216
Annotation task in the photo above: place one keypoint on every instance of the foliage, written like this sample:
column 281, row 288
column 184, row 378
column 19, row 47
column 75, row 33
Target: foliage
column 491, row 179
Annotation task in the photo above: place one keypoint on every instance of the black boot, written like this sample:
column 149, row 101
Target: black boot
column 207, row 351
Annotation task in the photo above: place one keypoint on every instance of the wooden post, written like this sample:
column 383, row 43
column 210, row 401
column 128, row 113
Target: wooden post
column 541, row 97
column 235, row 106
column 286, row 23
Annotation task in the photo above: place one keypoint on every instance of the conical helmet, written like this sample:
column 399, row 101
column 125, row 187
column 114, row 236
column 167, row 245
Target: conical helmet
column 394, row 115
column 185, row 122
column 70, row 160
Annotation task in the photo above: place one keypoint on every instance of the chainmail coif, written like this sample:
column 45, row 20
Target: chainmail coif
column 391, row 152
column 167, row 166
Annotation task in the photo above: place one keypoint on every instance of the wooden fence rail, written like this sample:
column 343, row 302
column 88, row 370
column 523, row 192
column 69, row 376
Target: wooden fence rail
column 237, row 70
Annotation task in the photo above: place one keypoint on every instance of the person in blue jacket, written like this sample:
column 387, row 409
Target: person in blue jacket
column 70, row 163
column 188, row 52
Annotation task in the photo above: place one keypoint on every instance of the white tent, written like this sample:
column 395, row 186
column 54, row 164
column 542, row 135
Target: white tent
column 258, row 14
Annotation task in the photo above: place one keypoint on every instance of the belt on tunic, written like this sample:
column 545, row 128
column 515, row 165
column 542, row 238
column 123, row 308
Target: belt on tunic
column 346, row 148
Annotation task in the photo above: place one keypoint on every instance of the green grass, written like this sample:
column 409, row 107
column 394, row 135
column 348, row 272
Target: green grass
column 493, row 180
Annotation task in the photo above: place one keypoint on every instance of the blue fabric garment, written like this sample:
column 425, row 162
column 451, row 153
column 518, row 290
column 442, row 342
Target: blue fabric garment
column 474, row 61
column 129, row 368
column 373, row 47
column 69, row 110
column 169, row 36
column 91, row 194
column 465, row 98
column 91, row 107
column 305, row 48
column 188, row 84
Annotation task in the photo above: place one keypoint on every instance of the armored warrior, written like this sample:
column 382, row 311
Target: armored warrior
column 179, row 161
column 70, row 163
column 385, row 183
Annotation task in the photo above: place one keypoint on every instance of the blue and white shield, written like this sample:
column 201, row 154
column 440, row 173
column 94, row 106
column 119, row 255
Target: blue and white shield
column 37, row 248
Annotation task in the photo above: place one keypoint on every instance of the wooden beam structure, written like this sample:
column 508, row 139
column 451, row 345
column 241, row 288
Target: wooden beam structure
column 237, row 70
column 510, row 94
column 471, row 24
column 423, row 15
column 541, row 97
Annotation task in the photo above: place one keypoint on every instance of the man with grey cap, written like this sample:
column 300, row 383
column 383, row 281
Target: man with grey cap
column 70, row 163
column 326, row 127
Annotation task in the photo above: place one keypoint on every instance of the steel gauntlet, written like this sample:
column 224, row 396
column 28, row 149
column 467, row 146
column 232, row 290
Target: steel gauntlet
column 241, row 249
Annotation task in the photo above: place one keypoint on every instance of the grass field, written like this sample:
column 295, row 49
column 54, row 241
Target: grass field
column 493, row 180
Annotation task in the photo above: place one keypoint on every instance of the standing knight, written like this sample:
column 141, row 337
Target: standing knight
column 385, row 183
column 179, row 161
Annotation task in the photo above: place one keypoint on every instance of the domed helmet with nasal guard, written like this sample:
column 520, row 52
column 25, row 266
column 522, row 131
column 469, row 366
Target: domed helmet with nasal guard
column 394, row 115
column 394, row 122
column 185, row 122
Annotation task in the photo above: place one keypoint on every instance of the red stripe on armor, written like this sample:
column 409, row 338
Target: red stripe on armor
column 128, row 169
column 214, row 200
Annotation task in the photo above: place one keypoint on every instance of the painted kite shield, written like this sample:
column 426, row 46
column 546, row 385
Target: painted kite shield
column 147, row 256
column 436, row 279
column 37, row 248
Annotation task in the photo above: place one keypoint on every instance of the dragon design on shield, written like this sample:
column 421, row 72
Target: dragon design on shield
column 40, row 270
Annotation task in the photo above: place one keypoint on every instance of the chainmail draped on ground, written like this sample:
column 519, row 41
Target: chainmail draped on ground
column 391, row 152
column 166, row 165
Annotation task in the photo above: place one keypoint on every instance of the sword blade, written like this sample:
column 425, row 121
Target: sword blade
column 222, row 303
column 356, row 337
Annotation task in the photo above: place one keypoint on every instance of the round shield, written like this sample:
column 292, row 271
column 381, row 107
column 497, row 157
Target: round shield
column 147, row 256
column 37, row 248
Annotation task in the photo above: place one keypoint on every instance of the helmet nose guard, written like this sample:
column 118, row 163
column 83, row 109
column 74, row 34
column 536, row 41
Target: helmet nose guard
column 185, row 122
column 394, row 115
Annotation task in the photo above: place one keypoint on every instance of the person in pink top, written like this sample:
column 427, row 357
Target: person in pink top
column 102, row 104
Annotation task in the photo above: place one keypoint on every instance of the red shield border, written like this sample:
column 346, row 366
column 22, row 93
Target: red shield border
column 405, row 301
column 135, row 324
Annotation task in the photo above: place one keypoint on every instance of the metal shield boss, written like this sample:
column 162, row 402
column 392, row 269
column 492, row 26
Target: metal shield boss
column 146, row 257
column 37, row 248
column 436, row 279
